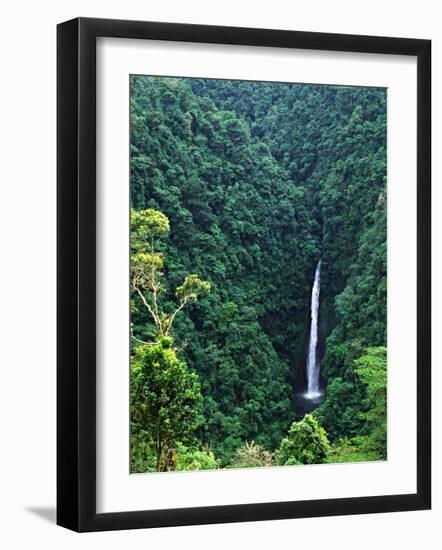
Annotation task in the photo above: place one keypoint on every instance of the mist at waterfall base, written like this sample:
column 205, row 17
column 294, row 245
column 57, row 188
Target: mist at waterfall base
column 312, row 395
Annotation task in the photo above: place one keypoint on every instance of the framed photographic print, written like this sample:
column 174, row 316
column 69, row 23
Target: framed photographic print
column 243, row 274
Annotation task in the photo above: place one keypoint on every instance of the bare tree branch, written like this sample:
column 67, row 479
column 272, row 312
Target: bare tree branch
column 151, row 311
column 172, row 317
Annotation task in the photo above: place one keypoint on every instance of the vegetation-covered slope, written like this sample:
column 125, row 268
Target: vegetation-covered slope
column 259, row 181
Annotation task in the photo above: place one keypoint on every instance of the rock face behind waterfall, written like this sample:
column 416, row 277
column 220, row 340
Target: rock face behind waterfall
column 313, row 366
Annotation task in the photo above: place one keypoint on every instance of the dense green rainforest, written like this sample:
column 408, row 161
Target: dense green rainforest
column 258, row 181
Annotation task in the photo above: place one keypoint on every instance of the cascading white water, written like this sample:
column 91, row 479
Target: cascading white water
column 313, row 390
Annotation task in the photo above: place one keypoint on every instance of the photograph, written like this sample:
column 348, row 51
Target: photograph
column 220, row 290
column 258, row 274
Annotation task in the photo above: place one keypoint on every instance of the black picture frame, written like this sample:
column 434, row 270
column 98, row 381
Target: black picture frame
column 76, row 274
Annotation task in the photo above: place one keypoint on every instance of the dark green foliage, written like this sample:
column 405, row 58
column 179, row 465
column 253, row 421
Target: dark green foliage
column 332, row 141
column 306, row 443
column 259, row 181
column 220, row 191
column 340, row 412
column 361, row 321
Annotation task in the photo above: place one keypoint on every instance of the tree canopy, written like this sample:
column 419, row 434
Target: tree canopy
column 237, row 190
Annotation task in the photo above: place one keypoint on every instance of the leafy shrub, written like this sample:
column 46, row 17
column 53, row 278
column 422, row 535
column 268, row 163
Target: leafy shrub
column 306, row 443
column 194, row 459
column 252, row 456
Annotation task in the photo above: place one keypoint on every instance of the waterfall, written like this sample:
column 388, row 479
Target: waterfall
column 313, row 390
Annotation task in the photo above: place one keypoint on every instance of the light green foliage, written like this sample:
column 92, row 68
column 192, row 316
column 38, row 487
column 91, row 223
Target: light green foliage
column 194, row 459
column 146, row 270
column 370, row 441
column 371, row 369
column 165, row 396
column 142, row 454
column 306, row 443
column 165, row 401
column 346, row 450
column 192, row 288
column 146, row 225
column 251, row 455
column 144, row 267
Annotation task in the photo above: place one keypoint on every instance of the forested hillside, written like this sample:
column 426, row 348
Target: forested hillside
column 258, row 181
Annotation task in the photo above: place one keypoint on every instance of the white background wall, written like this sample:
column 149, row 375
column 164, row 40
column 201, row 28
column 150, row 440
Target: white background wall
column 27, row 289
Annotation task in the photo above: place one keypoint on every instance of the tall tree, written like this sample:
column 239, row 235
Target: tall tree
column 146, row 270
column 165, row 401
column 165, row 395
